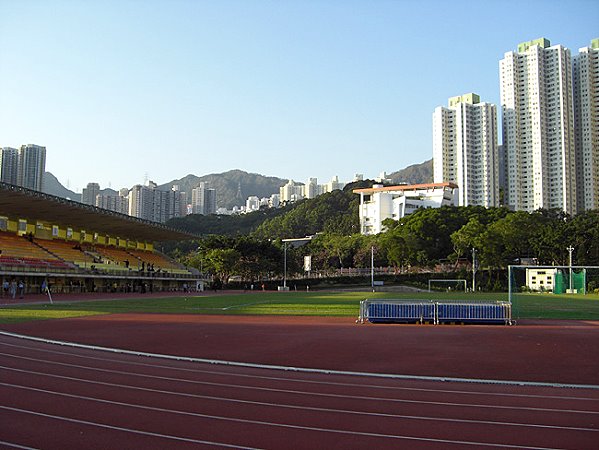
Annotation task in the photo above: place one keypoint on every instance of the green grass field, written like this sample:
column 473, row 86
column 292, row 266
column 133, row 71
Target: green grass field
column 525, row 306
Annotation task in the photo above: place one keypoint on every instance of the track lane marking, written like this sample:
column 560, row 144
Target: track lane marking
column 127, row 430
column 264, row 423
column 13, row 445
column 294, row 380
column 288, row 391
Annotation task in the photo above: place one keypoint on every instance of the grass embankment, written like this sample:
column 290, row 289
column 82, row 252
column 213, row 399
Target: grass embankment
column 299, row 303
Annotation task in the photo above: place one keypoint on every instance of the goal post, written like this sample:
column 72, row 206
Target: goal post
column 447, row 284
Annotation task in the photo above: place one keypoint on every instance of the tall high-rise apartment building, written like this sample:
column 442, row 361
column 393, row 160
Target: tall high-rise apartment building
column 24, row 166
column 31, row 166
column 203, row 199
column 586, row 124
column 9, row 163
column 118, row 203
column 465, row 150
column 149, row 203
column 89, row 193
column 538, row 127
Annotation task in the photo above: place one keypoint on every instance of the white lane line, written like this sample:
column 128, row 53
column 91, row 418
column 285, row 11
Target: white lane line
column 271, row 424
column 298, row 392
column 308, row 370
column 286, row 406
column 127, row 430
column 13, row 445
column 245, row 304
column 297, row 380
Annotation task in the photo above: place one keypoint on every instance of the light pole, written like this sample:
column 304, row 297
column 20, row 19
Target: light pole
column 570, row 250
column 473, row 270
column 285, row 268
column 372, row 268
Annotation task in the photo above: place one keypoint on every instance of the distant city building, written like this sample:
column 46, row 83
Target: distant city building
column 274, row 201
column 291, row 192
column 382, row 178
column 334, row 185
column 311, row 188
column 252, row 204
column 395, row 202
column 538, row 127
column 89, row 193
column 118, row 203
column 203, row 199
column 465, row 149
column 586, row 124
column 9, row 163
column 141, row 202
column 31, row 166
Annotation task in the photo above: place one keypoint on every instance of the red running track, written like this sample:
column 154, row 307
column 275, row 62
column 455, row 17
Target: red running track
column 61, row 397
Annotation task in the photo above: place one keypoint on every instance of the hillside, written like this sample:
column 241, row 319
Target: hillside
column 53, row 187
column 232, row 187
column 414, row 174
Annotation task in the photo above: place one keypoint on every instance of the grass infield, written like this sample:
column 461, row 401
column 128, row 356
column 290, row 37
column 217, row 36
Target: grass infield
column 525, row 306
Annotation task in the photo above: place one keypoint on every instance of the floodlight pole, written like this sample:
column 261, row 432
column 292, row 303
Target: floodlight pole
column 570, row 250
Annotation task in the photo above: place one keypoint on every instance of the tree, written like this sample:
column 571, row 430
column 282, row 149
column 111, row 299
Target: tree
column 467, row 237
column 222, row 262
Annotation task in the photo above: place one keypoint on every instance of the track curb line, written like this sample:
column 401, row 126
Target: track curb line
column 303, row 369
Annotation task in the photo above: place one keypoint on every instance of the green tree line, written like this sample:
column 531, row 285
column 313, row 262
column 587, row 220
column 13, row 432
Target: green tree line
column 423, row 239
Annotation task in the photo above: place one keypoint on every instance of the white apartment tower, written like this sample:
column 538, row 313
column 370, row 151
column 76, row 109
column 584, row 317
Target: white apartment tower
column 538, row 127
column 586, row 124
column 465, row 150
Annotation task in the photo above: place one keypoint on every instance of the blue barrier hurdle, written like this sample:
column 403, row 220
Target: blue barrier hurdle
column 414, row 311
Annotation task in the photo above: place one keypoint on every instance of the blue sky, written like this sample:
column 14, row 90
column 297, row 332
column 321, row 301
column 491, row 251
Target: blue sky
column 117, row 90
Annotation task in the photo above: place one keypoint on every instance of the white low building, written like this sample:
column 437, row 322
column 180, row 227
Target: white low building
column 395, row 202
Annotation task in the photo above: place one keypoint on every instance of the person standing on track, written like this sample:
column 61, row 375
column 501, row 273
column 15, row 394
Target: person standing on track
column 13, row 288
column 21, row 289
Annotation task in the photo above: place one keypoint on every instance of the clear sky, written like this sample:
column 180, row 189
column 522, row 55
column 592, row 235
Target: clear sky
column 117, row 90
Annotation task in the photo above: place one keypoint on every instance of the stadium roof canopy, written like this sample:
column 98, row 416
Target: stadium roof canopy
column 22, row 203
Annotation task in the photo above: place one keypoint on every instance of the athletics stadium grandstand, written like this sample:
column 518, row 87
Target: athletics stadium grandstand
column 76, row 248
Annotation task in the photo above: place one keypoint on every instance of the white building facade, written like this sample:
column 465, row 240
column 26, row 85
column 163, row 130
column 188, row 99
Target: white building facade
column 538, row 127
column 465, row 149
column 395, row 202
column 586, row 124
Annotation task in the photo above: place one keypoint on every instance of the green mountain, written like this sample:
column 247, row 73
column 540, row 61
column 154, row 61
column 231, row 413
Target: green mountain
column 232, row 187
